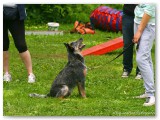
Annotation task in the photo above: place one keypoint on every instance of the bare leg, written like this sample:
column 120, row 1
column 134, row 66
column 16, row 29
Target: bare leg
column 7, row 77
column 6, row 61
column 26, row 58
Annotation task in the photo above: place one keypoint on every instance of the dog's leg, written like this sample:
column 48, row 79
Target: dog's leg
column 64, row 91
column 81, row 89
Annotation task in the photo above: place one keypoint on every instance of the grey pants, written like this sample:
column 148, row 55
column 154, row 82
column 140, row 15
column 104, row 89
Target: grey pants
column 144, row 59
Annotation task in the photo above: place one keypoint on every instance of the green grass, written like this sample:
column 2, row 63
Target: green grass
column 107, row 93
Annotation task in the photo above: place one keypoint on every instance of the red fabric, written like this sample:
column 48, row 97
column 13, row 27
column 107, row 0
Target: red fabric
column 106, row 18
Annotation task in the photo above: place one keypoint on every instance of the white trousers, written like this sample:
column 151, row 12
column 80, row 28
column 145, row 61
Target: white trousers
column 144, row 58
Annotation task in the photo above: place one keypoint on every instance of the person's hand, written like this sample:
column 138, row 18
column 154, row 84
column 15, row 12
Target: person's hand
column 137, row 36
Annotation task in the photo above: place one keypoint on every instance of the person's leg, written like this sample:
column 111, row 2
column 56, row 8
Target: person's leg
column 144, row 58
column 18, row 33
column 137, row 70
column 138, row 74
column 127, row 30
column 5, row 48
column 5, row 62
column 26, row 58
column 144, row 61
column 7, row 76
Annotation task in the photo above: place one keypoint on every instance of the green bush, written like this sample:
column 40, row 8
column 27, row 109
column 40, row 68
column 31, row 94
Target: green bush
column 62, row 13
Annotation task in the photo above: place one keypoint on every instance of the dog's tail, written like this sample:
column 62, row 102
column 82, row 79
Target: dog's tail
column 37, row 95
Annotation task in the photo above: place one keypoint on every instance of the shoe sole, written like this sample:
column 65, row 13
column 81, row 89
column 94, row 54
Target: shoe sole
column 124, row 76
column 31, row 82
column 7, row 80
column 138, row 78
column 146, row 104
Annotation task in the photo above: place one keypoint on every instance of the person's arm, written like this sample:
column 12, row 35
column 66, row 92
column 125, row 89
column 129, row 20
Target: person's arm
column 141, row 27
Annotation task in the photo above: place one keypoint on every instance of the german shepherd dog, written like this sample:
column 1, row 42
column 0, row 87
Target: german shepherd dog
column 73, row 73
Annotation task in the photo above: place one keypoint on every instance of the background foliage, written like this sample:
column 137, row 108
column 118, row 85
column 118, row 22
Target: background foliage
column 62, row 13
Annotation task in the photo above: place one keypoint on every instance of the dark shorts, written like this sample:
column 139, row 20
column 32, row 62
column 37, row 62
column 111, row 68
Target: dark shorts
column 17, row 30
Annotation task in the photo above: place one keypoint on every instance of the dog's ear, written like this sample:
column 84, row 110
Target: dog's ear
column 66, row 44
column 81, row 39
column 69, row 48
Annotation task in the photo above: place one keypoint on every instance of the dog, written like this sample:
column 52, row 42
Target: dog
column 72, row 75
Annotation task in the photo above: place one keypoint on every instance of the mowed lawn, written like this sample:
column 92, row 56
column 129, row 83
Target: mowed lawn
column 107, row 93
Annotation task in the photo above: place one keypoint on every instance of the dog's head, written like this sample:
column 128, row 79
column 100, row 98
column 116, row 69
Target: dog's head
column 75, row 47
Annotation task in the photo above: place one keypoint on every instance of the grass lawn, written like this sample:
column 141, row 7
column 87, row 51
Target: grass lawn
column 107, row 93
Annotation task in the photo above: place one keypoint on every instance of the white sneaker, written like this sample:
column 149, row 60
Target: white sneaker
column 7, row 77
column 31, row 78
column 145, row 95
column 149, row 101
column 125, row 73
column 138, row 76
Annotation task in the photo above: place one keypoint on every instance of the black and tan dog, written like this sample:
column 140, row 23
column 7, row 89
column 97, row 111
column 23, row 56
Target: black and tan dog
column 73, row 73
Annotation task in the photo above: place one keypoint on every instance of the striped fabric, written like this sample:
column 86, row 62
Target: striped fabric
column 106, row 18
